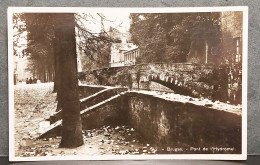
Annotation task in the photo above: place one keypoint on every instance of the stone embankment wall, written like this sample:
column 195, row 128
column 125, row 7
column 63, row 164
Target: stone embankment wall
column 184, row 124
column 165, row 119
column 106, row 107
column 112, row 112
column 169, row 120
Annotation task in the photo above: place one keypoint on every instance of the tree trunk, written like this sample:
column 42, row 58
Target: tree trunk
column 56, row 67
column 68, row 88
column 42, row 75
column 45, row 76
column 49, row 74
column 57, row 72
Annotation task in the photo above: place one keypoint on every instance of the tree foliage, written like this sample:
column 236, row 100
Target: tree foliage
column 95, row 47
column 171, row 37
column 39, row 49
column 18, row 32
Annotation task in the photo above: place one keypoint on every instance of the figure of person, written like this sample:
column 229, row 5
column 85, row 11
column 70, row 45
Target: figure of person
column 30, row 80
column 27, row 81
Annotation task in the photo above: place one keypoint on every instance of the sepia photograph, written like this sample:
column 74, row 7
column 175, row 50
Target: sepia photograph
column 127, row 83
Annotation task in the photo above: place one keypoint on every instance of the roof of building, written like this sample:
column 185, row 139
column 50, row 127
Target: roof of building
column 124, row 46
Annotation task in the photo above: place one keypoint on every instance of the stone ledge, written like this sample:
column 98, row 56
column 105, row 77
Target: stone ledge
column 172, row 97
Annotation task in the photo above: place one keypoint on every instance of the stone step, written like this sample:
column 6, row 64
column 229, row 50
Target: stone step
column 91, row 100
column 99, row 97
column 55, row 128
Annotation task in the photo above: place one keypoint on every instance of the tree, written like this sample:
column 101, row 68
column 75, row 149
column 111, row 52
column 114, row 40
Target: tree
column 18, row 32
column 95, row 57
column 65, row 43
column 171, row 37
column 52, row 37
column 95, row 47
column 205, row 34
column 66, row 58
column 152, row 32
column 39, row 49
column 51, row 43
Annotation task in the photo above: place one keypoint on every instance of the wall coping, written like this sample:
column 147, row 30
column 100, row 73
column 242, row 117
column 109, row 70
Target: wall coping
column 97, row 86
column 173, row 97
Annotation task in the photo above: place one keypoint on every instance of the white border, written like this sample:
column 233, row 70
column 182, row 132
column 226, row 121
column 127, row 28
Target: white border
column 242, row 156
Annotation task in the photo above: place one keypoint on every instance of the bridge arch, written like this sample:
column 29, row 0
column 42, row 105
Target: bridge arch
column 177, row 86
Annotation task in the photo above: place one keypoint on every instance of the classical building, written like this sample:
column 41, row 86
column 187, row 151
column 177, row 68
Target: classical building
column 123, row 54
column 130, row 56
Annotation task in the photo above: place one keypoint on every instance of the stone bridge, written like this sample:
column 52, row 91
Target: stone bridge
column 183, row 78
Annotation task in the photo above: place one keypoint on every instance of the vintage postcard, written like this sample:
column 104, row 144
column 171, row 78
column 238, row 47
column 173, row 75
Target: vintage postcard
column 127, row 83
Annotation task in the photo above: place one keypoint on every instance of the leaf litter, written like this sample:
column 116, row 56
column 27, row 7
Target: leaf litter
column 34, row 103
